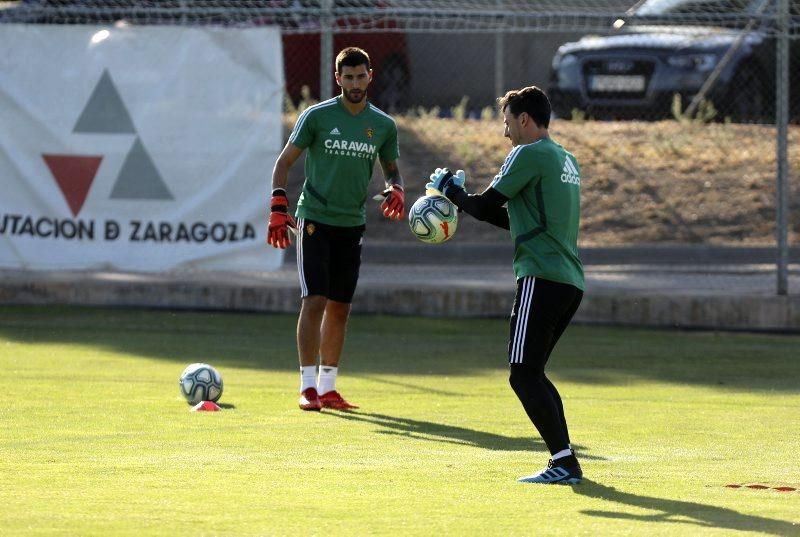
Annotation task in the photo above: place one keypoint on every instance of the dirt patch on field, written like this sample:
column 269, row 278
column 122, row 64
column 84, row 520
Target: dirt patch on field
column 661, row 182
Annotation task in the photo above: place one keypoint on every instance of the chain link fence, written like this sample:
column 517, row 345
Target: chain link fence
column 677, row 110
column 712, row 60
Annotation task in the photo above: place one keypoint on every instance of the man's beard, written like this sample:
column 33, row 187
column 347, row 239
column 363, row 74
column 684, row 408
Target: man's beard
column 349, row 96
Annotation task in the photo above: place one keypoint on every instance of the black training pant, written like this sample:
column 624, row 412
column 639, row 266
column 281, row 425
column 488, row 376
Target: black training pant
column 542, row 310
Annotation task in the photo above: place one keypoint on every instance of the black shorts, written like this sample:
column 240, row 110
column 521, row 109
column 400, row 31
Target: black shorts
column 542, row 310
column 328, row 259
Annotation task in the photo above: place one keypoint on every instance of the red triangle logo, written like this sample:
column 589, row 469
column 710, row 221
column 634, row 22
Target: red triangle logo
column 74, row 175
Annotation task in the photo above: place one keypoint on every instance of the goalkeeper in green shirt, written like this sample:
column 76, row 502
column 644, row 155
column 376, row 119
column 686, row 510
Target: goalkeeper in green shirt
column 536, row 195
column 342, row 137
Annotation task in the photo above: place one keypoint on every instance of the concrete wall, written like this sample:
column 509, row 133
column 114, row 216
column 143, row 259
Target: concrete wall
column 462, row 297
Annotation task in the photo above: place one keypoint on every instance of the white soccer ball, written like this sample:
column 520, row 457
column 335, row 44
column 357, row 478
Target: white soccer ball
column 201, row 382
column 433, row 219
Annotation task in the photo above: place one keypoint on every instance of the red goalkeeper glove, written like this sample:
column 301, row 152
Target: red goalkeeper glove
column 279, row 220
column 394, row 202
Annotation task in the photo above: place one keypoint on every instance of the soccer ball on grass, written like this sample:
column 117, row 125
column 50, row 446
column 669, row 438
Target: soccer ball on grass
column 200, row 382
column 433, row 219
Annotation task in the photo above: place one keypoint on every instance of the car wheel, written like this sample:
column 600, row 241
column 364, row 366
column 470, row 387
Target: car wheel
column 749, row 99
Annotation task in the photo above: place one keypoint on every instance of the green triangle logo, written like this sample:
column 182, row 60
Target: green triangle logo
column 105, row 113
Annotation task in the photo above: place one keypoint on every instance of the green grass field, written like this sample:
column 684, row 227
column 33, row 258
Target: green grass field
column 95, row 439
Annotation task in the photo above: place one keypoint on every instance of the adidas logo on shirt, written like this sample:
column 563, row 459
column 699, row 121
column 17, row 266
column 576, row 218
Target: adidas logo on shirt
column 335, row 131
column 570, row 173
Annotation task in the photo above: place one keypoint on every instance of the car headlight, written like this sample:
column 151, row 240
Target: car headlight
column 695, row 62
column 563, row 61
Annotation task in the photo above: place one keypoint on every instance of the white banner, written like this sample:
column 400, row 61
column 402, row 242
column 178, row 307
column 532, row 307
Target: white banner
column 138, row 148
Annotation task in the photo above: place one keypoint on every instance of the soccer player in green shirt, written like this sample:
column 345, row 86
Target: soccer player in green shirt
column 537, row 195
column 343, row 137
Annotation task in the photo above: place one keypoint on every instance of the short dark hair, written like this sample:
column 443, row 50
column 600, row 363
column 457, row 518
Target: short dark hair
column 351, row 57
column 532, row 100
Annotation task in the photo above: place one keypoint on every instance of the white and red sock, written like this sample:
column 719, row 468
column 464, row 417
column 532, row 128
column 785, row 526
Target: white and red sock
column 327, row 378
column 308, row 377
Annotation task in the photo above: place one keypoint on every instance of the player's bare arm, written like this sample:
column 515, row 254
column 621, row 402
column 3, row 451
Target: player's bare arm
column 280, row 173
column 280, row 221
column 391, row 173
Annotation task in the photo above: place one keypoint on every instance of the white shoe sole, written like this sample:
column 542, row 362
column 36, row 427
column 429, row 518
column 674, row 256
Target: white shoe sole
column 534, row 479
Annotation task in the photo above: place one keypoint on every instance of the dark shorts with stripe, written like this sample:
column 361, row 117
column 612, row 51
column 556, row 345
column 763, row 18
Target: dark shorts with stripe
column 328, row 259
column 542, row 310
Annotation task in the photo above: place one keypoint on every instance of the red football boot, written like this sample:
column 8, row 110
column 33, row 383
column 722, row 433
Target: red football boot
column 334, row 400
column 309, row 400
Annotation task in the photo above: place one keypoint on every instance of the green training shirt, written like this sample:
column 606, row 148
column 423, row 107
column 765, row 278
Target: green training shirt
column 542, row 182
column 341, row 152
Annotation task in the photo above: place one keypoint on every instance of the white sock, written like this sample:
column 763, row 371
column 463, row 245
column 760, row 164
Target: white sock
column 308, row 377
column 563, row 453
column 327, row 378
